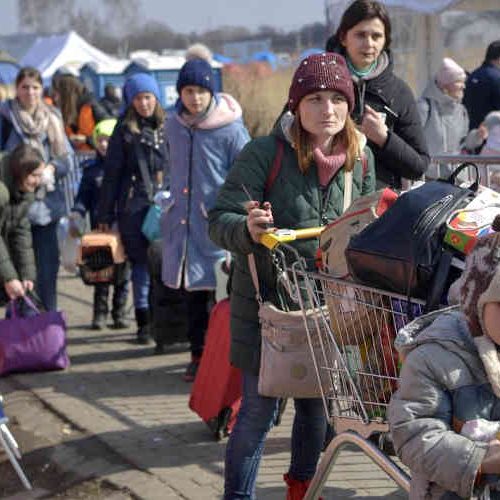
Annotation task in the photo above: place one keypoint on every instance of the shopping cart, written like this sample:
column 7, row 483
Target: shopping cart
column 356, row 364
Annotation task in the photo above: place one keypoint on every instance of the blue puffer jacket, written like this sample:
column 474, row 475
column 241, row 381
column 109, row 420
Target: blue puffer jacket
column 11, row 136
column 200, row 158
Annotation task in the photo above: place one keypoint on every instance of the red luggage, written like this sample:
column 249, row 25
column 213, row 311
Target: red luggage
column 216, row 392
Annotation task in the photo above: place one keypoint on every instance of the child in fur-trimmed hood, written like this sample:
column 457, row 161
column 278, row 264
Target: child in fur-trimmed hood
column 451, row 376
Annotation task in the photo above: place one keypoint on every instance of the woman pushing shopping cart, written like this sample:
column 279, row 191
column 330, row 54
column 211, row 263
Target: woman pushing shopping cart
column 295, row 177
column 350, row 330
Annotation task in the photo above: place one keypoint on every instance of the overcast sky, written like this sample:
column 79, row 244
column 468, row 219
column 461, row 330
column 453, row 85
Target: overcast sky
column 201, row 15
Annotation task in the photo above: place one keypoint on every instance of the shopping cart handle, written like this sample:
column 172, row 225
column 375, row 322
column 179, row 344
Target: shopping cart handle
column 272, row 240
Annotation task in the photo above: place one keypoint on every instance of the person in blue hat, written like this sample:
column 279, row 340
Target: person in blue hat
column 204, row 136
column 86, row 201
column 134, row 170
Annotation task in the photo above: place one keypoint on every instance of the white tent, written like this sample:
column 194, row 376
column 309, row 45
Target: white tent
column 69, row 50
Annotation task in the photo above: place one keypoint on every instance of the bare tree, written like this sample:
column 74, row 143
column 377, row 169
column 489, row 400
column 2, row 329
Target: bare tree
column 53, row 16
column 45, row 16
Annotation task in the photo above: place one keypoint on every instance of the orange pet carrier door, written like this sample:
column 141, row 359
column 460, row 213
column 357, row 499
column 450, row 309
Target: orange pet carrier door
column 102, row 258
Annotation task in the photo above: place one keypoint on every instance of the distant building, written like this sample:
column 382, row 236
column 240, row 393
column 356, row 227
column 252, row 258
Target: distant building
column 243, row 50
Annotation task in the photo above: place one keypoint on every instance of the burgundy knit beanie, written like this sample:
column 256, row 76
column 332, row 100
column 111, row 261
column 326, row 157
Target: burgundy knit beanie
column 326, row 71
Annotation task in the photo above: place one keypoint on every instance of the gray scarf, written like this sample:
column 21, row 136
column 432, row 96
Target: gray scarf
column 44, row 122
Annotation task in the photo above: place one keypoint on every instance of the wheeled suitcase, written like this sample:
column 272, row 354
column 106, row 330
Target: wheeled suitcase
column 216, row 391
column 168, row 314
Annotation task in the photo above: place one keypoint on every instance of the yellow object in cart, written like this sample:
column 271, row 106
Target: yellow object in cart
column 272, row 240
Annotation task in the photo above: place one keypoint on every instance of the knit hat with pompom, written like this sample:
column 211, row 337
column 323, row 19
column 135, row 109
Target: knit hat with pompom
column 480, row 285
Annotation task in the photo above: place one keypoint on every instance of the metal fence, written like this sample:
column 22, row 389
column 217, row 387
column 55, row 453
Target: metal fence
column 72, row 181
column 488, row 165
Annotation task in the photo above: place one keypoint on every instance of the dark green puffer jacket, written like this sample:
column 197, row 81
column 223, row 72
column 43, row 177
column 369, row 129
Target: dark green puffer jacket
column 17, row 260
column 295, row 200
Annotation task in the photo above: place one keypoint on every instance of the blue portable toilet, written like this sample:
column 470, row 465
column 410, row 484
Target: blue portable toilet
column 165, row 70
column 8, row 70
column 95, row 76
column 265, row 56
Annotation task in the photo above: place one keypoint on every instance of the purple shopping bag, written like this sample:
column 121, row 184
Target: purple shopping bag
column 34, row 343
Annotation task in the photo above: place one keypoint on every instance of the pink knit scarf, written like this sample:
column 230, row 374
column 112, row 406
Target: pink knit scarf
column 329, row 165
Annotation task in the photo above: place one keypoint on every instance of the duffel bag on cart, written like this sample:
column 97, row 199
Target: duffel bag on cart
column 402, row 251
column 349, row 317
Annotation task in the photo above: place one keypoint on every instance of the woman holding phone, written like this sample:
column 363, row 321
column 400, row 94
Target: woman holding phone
column 385, row 109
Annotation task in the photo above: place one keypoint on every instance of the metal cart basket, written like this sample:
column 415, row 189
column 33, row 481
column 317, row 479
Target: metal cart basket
column 353, row 351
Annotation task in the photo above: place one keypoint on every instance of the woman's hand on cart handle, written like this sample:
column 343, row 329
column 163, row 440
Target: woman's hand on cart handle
column 259, row 219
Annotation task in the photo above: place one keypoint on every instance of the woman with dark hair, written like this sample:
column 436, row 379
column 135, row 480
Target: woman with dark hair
column 20, row 175
column 137, row 147
column 321, row 150
column 28, row 119
column 80, row 110
column 385, row 109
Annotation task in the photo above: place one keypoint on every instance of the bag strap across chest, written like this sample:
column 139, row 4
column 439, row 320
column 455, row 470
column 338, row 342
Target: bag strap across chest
column 276, row 168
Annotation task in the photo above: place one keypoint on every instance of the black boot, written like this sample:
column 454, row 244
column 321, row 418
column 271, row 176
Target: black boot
column 119, row 310
column 142, row 319
column 100, row 310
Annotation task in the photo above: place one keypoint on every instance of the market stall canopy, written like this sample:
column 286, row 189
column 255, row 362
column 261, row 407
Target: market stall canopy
column 69, row 50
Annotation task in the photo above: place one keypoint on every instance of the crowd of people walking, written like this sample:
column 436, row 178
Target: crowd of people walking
column 348, row 121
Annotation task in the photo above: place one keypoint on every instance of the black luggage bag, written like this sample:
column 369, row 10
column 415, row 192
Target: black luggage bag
column 402, row 251
column 168, row 314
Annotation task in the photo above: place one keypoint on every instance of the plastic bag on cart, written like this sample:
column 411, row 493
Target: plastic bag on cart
column 355, row 313
column 335, row 237
column 350, row 305
column 378, row 380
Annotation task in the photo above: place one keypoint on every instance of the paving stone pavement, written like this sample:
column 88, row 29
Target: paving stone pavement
column 136, row 404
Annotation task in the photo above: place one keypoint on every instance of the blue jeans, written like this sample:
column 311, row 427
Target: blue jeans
column 140, row 285
column 256, row 417
column 46, row 253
